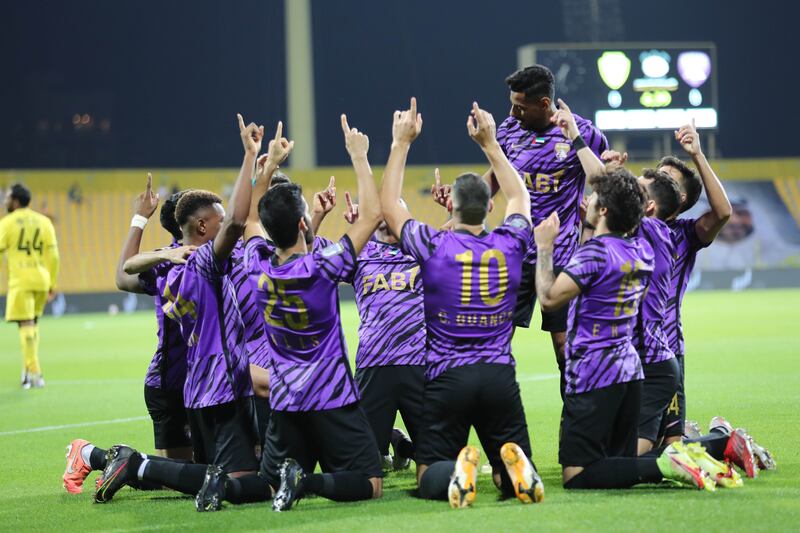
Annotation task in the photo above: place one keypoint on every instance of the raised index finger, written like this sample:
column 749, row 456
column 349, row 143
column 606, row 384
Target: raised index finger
column 241, row 121
column 345, row 125
column 279, row 131
column 332, row 182
column 413, row 107
column 348, row 200
column 149, row 187
column 437, row 177
column 563, row 105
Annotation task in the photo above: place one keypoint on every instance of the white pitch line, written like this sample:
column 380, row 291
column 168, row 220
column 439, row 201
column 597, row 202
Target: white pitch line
column 78, row 425
column 93, row 381
column 537, row 377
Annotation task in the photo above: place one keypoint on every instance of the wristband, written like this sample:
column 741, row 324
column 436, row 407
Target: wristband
column 138, row 221
column 578, row 143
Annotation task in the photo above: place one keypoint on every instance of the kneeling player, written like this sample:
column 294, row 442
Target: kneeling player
column 470, row 279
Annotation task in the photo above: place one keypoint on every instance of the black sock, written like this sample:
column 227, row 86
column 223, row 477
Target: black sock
column 405, row 448
column 339, row 486
column 138, row 484
column 714, row 443
column 616, row 473
column 434, row 482
column 183, row 477
column 97, row 459
column 247, row 489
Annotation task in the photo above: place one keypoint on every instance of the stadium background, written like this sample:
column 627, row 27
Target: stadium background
column 115, row 90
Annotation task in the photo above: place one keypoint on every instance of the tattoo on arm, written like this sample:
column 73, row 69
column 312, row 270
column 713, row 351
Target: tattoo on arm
column 544, row 273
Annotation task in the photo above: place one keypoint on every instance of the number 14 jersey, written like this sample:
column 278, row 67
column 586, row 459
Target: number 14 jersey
column 470, row 287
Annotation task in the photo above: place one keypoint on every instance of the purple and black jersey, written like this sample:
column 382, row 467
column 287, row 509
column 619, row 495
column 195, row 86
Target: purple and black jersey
column 167, row 369
column 201, row 298
column 612, row 273
column 470, row 284
column 255, row 338
column 390, row 305
column 687, row 244
column 650, row 338
column 299, row 299
column 553, row 175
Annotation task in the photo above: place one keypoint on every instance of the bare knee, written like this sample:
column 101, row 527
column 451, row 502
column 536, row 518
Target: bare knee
column 377, row 487
column 644, row 446
column 569, row 472
column 420, row 471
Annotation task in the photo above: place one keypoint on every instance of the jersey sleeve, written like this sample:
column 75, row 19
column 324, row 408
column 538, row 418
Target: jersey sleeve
column 147, row 282
column 52, row 257
column 594, row 138
column 688, row 226
column 336, row 262
column 4, row 226
column 206, row 264
column 586, row 264
column 517, row 227
column 416, row 240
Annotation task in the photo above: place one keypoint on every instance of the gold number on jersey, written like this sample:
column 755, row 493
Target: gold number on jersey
column 465, row 258
column 629, row 283
column 30, row 245
column 543, row 183
column 296, row 318
column 176, row 307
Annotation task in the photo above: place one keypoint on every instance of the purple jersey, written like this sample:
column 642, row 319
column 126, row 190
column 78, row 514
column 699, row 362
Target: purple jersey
column 553, row 175
column 299, row 299
column 650, row 338
column 167, row 369
column 612, row 273
column 200, row 297
column 255, row 338
column 470, row 283
column 389, row 299
column 687, row 244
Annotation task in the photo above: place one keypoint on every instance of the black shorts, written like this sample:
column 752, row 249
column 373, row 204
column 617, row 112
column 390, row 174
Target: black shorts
column 600, row 423
column 262, row 417
column 340, row 440
column 660, row 386
column 170, row 425
column 553, row 321
column 676, row 410
column 485, row 396
column 226, row 435
column 385, row 390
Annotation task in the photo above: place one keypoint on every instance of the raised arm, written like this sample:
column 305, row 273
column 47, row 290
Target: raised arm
column 143, row 208
column 278, row 150
column 357, row 145
column 482, row 130
column 565, row 120
column 553, row 292
column 710, row 224
column 324, row 201
column 406, row 126
column 235, row 221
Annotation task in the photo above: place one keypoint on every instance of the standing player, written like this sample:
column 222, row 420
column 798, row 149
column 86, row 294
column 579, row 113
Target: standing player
column 201, row 298
column 690, row 235
column 548, row 164
column 316, row 416
column 29, row 239
column 605, row 280
column 470, row 280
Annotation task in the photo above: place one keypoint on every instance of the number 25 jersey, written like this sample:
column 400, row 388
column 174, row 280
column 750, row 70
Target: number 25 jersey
column 470, row 287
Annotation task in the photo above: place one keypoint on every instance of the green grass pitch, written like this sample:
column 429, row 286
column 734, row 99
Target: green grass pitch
column 742, row 363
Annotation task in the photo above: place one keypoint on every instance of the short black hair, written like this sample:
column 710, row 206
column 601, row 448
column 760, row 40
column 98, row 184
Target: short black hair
column 664, row 191
column 536, row 82
column 621, row 194
column 692, row 184
column 471, row 197
column 167, row 215
column 280, row 211
column 21, row 194
column 191, row 202
column 279, row 178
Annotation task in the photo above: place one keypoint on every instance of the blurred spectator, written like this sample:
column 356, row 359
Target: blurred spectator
column 75, row 194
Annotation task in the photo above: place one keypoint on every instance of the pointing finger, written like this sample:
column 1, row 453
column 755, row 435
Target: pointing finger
column 413, row 107
column 348, row 200
column 345, row 126
column 241, row 122
column 563, row 105
column 149, row 187
column 279, row 131
column 332, row 182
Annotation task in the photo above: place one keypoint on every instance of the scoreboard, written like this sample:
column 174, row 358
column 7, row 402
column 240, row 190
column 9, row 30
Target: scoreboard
column 633, row 86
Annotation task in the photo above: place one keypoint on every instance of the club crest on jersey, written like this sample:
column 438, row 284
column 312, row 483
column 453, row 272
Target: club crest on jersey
column 561, row 149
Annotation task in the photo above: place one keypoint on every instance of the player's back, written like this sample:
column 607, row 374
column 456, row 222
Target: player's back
column 470, row 284
column 612, row 273
column 28, row 238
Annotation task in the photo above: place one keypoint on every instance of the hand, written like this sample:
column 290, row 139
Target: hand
column 351, row 211
column 177, row 255
column 51, row 295
column 251, row 136
column 546, row 232
column 689, row 139
column 440, row 192
column 357, row 143
column 406, row 125
column 481, row 126
column 279, row 147
column 612, row 157
column 583, row 208
column 565, row 120
column 325, row 200
column 261, row 169
column 145, row 204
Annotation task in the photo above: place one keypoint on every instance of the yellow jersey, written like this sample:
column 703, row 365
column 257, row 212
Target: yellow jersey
column 30, row 241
